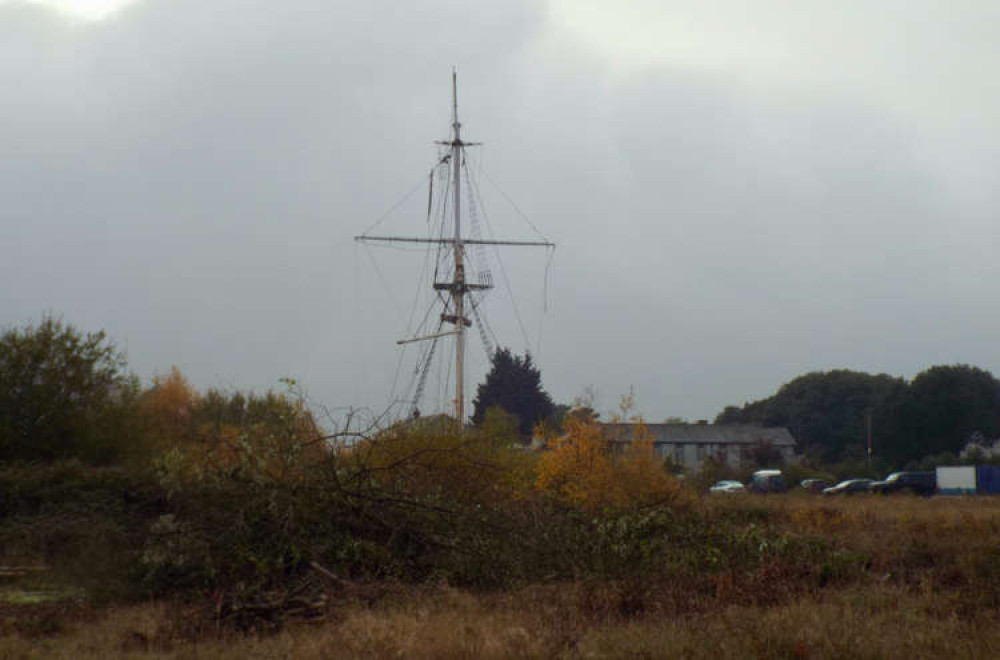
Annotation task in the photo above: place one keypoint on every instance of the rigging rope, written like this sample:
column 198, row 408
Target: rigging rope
column 523, row 215
column 477, row 231
column 422, row 381
column 405, row 396
column 506, row 280
column 545, row 300
column 395, row 379
column 416, row 298
column 442, row 254
column 394, row 398
column 385, row 284
column 430, row 193
column 395, row 206
column 482, row 329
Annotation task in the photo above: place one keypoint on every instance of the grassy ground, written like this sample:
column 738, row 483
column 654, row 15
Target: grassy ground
column 858, row 622
column 898, row 577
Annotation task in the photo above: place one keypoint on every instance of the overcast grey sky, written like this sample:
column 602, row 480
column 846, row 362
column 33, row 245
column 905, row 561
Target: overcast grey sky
column 740, row 192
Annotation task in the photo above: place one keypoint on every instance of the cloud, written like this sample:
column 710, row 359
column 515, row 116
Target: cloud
column 85, row 10
column 190, row 176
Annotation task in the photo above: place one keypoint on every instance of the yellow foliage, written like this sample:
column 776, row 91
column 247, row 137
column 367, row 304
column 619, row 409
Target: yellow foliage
column 270, row 435
column 577, row 466
column 167, row 410
column 582, row 469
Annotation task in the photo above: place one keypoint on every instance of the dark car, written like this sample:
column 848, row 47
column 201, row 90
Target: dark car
column 767, row 481
column 918, row 483
column 849, row 487
column 815, row 485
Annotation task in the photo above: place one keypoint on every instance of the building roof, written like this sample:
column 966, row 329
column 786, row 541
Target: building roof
column 715, row 434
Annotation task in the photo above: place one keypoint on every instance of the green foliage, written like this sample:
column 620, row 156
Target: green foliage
column 63, row 394
column 824, row 411
column 246, row 409
column 945, row 407
column 828, row 412
column 500, row 427
column 87, row 523
column 515, row 385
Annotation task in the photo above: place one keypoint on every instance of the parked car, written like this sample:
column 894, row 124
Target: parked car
column 767, row 481
column 815, row 485
column 728, row 486
column 849, row 487
column 918, row 483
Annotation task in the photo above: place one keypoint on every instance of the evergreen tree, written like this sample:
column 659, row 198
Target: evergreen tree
column 513, row 384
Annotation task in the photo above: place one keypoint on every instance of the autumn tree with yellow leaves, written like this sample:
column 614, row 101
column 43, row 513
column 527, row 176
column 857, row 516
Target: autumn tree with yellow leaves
column 274, row 434
column 167, row 410
column 586, row 468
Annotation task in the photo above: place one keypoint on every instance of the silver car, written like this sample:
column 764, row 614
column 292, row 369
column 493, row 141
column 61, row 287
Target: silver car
column 849, row 487
column 728, row 486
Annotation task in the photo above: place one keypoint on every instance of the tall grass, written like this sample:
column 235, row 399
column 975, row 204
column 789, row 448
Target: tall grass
column 771, row 577
column 863, row 621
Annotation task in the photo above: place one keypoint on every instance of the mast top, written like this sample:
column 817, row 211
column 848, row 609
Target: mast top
column 456, row 126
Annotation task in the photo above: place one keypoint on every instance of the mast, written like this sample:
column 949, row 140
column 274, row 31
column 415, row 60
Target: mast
column 458, row 288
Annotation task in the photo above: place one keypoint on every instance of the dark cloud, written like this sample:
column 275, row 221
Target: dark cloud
column 189, row 177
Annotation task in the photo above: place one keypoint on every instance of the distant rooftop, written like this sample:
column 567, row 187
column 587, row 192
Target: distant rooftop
column 742, row 434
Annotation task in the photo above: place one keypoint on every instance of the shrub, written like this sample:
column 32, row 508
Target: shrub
column 87, row 523
column 580, row 469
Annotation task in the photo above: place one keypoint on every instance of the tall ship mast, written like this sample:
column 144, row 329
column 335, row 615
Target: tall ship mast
column 456, row 292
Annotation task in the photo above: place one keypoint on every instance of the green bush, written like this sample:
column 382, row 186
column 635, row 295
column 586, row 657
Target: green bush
column 63, row 394
column 88, row 524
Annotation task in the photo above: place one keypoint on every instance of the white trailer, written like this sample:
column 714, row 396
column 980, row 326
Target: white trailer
column 956, row 480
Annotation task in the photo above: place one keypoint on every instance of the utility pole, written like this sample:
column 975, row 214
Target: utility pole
column 458, row 288
column 868, row 425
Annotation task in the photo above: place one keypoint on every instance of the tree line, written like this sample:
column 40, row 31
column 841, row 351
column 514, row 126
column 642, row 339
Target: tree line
column 829, row 412
column 68, row 394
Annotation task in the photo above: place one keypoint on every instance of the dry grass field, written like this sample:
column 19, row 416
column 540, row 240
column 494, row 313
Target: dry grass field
column 858, row 577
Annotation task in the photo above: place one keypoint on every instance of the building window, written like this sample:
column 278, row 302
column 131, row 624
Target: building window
column 701, row 452
column 679, row 454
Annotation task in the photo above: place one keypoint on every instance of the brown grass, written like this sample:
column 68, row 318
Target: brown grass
column 900, row 577
column 860, row 622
